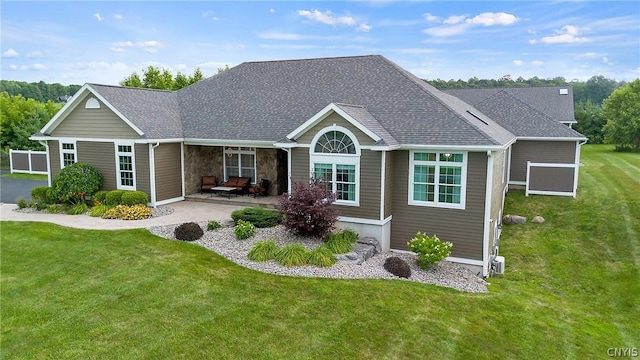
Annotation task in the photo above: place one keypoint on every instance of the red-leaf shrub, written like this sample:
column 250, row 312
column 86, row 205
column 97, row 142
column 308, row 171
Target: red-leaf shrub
column 307, row 210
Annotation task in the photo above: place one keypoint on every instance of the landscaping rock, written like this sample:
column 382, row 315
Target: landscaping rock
column 537, row 220
column 513, row 219
column 363, row 250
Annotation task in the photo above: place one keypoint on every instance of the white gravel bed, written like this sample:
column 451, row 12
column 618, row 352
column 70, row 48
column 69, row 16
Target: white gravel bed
column 224, row 242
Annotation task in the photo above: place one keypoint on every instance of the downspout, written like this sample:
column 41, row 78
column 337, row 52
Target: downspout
column 487, row 216
column 46, row 146
column 577, row 167
column 152, row 172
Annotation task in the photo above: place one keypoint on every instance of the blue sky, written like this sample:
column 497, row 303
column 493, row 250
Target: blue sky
column 103, row 42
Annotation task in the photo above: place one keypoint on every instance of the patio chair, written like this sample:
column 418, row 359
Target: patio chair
column 262, row 189
column 208, row 183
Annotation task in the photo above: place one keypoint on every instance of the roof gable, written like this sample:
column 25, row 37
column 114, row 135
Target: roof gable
column 76, row 100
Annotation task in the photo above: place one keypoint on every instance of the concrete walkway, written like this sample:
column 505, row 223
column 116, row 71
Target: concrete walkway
column 184, row 211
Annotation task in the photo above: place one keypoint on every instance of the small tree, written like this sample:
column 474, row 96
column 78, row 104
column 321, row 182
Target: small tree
column 622, row 111
column 307, row 210
column 74, row 181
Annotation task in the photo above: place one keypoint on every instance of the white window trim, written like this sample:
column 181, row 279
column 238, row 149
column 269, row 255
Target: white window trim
column 67, row 151
column 337, row 159
column 436, row 202
column 237, row 150
column 119, row 185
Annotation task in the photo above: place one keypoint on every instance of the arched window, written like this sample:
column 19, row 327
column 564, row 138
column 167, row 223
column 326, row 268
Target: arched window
column 335, row 158
column 335, row 142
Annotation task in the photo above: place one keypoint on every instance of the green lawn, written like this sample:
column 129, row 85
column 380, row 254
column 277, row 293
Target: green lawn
column 571, row 290
column 38, row 177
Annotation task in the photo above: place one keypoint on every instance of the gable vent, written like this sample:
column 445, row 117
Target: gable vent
column 564, row 91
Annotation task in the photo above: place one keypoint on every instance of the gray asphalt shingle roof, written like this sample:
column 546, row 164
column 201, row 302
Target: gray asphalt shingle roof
column 265, row 101
column 155, row 112
column 522, row 119
column 546, row 99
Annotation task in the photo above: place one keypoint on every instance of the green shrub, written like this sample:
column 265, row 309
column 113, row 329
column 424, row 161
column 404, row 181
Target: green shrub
column 263, row 251
column 430, row 249
column 397, row 267
column 39, row 194
column 74, row 181
column 57, row 208
column 38, row 205
column 244, row 230
column 188, row 232
column 292, row 255
column 342, row 242
column 134, row 198
column 22, row 203
column 100, row 197
column 213, row 225
column 124, row 212
column 259, row 217
column 98, row 210
column 321, row 257
column 114, row 197
column 78, row 209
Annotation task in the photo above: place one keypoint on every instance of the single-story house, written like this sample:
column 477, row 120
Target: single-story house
column 401, row 155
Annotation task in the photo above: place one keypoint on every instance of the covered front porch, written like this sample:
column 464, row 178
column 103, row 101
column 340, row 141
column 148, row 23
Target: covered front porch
column 226, row 161
column 270, row 202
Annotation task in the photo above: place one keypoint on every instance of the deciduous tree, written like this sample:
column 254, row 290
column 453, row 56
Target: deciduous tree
column 622, row 111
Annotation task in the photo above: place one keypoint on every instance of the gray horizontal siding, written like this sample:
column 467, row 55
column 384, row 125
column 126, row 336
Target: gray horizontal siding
column 539, row 151
column 54, row 157
column 388, row 192
column 94, row 123
column 143, row 177
column 464, row 228
column 100, row 155
column 369, row 182
column 168, row 171
column 551, row 179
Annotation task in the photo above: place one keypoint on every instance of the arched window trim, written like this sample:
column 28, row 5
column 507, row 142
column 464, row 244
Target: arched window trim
column 336, row 161
column 334, row 127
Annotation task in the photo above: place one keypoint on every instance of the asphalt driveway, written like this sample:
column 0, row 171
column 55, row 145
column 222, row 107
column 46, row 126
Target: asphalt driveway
column 13, row 189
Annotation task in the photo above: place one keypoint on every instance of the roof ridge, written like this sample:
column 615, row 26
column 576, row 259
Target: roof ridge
column 131, row 87
column 311, row 59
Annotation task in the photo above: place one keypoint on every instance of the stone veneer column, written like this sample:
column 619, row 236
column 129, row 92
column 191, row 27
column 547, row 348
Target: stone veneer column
column 267, row 168
column 201, row 161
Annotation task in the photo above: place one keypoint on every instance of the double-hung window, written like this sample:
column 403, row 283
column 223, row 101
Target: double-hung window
column 438, row 179
column 335, row 160
column 125, row 162
column 68, row 154
column 240, row 162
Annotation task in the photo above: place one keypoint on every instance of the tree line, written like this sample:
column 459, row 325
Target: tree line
column 40, row 91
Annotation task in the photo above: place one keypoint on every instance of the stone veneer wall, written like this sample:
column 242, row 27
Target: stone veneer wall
column 207, row 160
column 201, row 161
column 267, row 168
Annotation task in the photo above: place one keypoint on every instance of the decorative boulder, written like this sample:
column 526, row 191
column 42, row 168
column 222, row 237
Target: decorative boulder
column 537, row 220
column 397, row 267
column 513, row 219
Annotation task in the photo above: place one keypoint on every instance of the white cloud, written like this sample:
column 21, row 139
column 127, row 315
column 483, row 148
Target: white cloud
column 455, row 19
column 364, row 27
column 118, row 16
column 97, row 16
column 490, row 19
column 537, row 63
column 99, row 65
column 457, row 24
column 35, row 54
column 122, row 44
column 13, row 67
column 272, row 10
column 151, row 46
column 606, row 60
column 430, row 18
column 116, row 49
column 36, row 67
column 518, row 62
column 567, row 35
column 589, row 55
column 441, row 31
column 182, row 67
column 533, row 41
column 10, row 53
column 327, row 17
